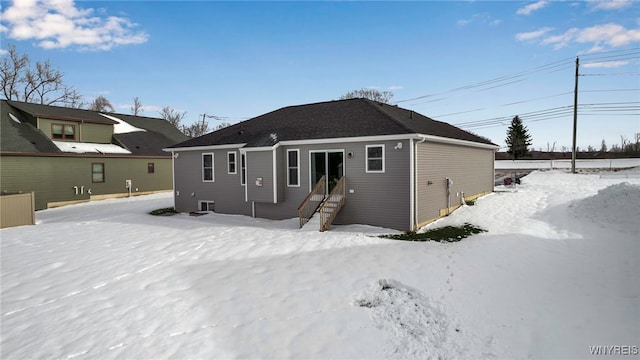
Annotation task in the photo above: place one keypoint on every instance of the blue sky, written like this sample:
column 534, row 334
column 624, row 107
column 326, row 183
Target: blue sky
column 474, row 64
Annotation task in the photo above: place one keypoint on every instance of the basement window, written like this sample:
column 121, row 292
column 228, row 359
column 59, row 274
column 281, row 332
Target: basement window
column 206, row 205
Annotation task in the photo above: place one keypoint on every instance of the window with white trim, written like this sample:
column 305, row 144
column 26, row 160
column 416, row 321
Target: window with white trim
column 243, row 169
column 293, row 167
column 375, row 158
column 231, row 162
column 207, row 167
column 207, row 205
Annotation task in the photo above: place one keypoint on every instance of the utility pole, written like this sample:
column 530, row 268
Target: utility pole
column 575, row 119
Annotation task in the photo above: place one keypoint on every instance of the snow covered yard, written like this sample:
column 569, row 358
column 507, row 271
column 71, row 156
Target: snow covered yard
column 557, row 272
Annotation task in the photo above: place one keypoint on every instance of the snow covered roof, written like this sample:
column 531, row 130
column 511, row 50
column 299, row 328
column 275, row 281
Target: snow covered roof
column 82, row 148
column 133, row 135
column 122, row 127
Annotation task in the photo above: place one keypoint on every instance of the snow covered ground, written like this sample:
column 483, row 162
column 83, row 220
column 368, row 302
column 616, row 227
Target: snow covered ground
column 557, row 272
column 566, row 164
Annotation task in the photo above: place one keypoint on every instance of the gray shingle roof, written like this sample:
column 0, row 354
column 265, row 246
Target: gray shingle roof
column 332, row 119
column 61, row 113
column 23, row 136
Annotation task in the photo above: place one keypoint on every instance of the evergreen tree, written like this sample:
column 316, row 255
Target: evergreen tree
column 603, row 146
column 518, row 139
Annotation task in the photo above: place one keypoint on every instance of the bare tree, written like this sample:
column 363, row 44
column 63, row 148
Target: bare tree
column 41, row 84
column 623, row 142
column 136, row 109
column 371, row 94
column 196, row 129
column 172, row 116
column 551, row 148
column 101, row 103
column 603, row 146
column 11, row 69
column 223, row 124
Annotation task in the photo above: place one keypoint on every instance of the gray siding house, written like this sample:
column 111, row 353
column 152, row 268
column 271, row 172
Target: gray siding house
column 67, row 156
column 358, row 161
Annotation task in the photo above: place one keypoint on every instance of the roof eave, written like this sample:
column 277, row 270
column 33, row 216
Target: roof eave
column 452, row 141
column 204, row 147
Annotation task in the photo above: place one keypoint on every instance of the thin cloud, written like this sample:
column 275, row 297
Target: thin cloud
column 527, row 10
column 600, row 36
column 481, row 18
column 60, row 24
column 562, row 40
column 395, row 87
column 610, row 4
column 606, row 64
column 612, row 35
column 533, row 34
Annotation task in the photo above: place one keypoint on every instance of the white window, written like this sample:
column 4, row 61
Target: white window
column 206, row 205
column 243, row 169
column 207, row 167
column 293, row 167
column 375, row 158
column 231, row 162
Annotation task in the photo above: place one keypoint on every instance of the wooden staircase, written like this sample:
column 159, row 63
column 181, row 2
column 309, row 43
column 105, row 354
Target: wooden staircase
column 328, row 207
column 312, row 202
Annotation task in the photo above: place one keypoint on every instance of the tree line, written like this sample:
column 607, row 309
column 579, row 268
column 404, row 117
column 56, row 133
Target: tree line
column 518, row 141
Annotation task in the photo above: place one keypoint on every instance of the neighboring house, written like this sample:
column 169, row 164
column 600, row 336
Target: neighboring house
column 399, row 169
column 67, row 155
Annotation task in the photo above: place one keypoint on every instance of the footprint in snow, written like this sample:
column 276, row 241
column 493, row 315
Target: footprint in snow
column 419, row 327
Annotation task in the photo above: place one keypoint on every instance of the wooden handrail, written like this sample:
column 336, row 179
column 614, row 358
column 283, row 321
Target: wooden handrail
column 332, row 205
column 312, row 201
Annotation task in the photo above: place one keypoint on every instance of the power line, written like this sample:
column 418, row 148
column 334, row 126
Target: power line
column 559, row 65
column 556, row 113
column 605, row 54
column 510, row 78
column 614, row 74
column 610, row 90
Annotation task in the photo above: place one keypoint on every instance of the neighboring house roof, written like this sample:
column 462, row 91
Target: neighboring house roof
column 21, row 136
column 332, row 119
column 61, row 113
column 135, row 135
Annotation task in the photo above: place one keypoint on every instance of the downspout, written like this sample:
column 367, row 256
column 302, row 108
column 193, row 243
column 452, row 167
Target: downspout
column 246, row 173
column 414, row 181
column 275, row 174
column 173, row 177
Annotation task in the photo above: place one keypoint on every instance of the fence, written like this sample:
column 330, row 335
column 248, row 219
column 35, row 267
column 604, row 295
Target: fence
column 17, row 209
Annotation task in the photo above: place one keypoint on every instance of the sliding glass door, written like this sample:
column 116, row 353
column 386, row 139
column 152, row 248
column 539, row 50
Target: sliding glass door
column 329, row 163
